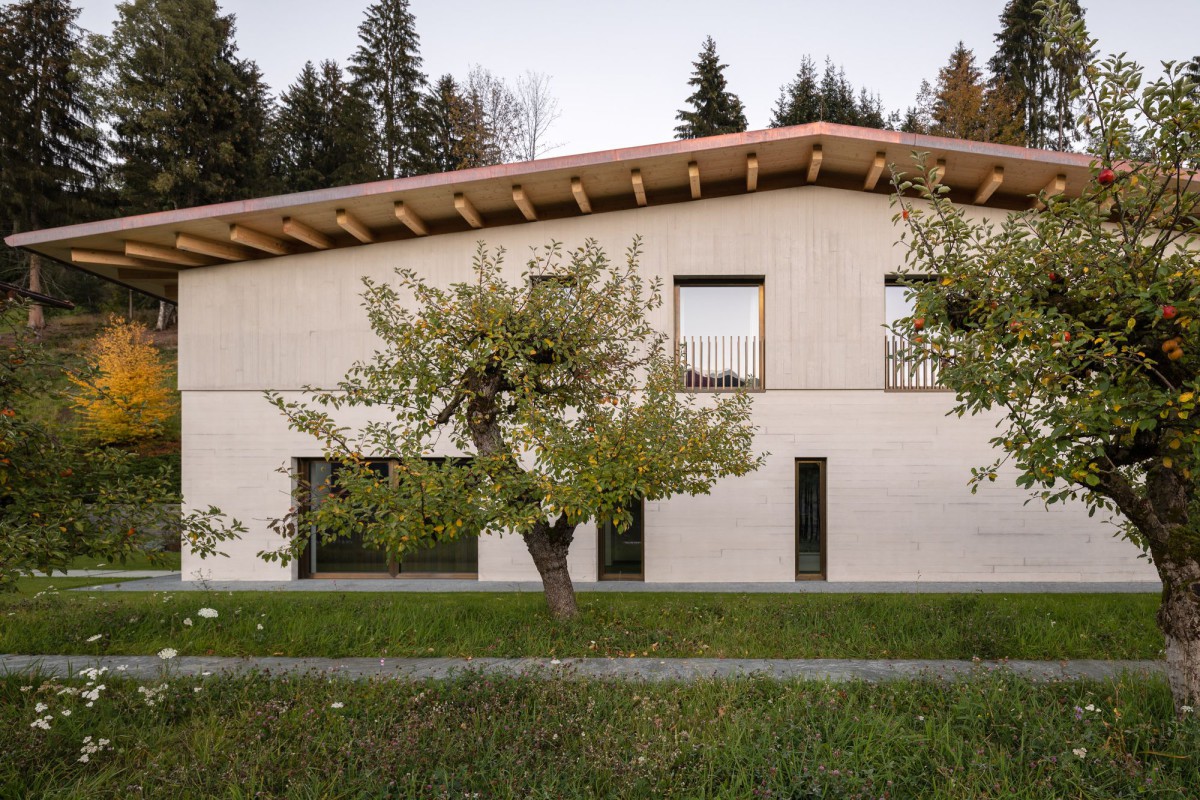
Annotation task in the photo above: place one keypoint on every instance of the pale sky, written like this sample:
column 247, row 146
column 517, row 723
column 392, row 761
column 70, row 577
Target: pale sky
column 620, row 68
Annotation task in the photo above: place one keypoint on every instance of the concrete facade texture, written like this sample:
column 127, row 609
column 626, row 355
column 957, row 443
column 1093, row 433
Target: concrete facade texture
column 898, row 504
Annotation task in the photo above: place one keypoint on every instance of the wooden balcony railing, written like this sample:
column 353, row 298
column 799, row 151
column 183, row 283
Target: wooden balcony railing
column 721, row 363
column 909, row 367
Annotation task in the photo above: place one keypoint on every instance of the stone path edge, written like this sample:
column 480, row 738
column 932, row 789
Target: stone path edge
column 635, row 669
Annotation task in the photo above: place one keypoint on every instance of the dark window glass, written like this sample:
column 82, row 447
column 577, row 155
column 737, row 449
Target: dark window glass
column 348, row 554
column 810, row 508
column 621, row 551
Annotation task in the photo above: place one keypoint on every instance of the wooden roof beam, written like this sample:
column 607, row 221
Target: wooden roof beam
column 991, row 182
column 1057, row 185
column 639, row 188
column 411, row 219
column 109, row 258
column 694, row 179
column 939, row 173
column 814, row 163
column 169, row 255
column 752, row 172
column 207, row 247
column 524, row 203
column 585, row 204
column 467, row 209
column 259, row 240
column 354, row 226
column 877, row 165
column 307, row 234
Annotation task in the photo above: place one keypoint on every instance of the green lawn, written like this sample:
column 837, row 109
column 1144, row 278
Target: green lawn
column 666, row 624
column 986, row 737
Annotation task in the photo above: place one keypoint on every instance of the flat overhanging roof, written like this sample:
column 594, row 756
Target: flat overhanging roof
column 147, row 252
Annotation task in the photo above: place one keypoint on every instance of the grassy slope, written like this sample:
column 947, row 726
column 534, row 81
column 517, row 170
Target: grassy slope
column 666, row 625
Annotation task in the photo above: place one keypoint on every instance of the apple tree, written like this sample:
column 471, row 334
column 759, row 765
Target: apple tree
column 1079, row 320
column 61, row 498
column 556, row 392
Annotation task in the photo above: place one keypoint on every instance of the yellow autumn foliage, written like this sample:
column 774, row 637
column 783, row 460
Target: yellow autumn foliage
column 127, row 397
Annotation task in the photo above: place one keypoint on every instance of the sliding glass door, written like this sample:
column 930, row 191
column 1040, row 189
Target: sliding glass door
column 348, row 555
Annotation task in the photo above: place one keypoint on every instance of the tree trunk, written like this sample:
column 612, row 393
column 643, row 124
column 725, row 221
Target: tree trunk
column 1179, row 620
column 37, row 317
column 166, row 315
column 548, row 545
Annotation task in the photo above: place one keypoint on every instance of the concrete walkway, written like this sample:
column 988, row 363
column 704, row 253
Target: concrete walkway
column 173, row 582
column 112, row 573
column 647, row 669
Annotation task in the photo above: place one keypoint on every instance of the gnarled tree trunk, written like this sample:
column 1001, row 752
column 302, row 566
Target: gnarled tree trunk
column 548, row 544
column 1179, row 621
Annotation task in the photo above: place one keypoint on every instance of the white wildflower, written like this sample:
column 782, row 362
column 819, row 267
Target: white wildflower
column 66, row 712
column 1080, row 751
column 187, row 621
column 337, row 705
column 555, row 661
column 195, row 688
column 1186, row 709
column 207, row 613
column 41, row 722
column 40, row 707
column 206, row 673
column 167, row 653
column 259, row 626
column 85, row 758
column 95, row 638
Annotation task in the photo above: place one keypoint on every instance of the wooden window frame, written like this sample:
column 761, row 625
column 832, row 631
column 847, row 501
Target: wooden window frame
column 823, row 463
column 926, row 380
column 726, row 280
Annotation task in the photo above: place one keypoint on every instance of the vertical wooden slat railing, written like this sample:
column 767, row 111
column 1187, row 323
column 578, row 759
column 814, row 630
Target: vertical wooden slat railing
column 720, row 363
column 904, row 373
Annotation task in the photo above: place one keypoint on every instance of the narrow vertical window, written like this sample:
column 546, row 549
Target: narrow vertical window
column 810, row 518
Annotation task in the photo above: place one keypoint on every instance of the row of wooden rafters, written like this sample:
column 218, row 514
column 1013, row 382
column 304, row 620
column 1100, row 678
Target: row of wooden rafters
column 149, row 260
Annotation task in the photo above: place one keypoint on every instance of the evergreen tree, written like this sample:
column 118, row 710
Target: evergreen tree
column 919, row 118
column 50, row 149
column 714, row 109
column 445, row 112
column 965, row 108
column 1039, row 83
column 387, row 68
column 324, row 132
column 799, row 101
column 837, row 96
column 189, row 117
column 870, row 110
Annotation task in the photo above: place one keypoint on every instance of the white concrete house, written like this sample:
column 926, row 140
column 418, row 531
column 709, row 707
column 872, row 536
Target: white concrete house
column 778, row 244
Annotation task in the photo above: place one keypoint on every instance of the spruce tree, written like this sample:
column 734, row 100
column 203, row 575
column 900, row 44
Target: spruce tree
column 324, row 132
column 445, row 111
column 189, row 117
column 387, row 68
column 714, row 109
column 50, row 149
column 799, row 101
column 837, row 96
column 1038, row 82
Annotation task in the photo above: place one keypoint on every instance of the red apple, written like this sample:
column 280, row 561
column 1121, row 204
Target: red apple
column 1106, row 177
column 919, row 323
column 1169, row 312
column 1054, row 277
column 1066, row 336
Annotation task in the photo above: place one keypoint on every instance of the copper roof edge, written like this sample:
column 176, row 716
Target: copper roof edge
column 526, row 168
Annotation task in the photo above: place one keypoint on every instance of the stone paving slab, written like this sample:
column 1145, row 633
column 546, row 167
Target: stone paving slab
column 637, row 669
column 174, row 583
column 112, row 573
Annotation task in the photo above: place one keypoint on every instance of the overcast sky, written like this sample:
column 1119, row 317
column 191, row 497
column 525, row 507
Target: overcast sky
column 620, row 67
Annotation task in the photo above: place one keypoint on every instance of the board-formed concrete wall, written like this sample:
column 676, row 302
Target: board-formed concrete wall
column 899, row 507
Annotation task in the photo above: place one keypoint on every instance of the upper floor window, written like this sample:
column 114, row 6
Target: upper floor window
column 908, row 364
column 719, row 332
